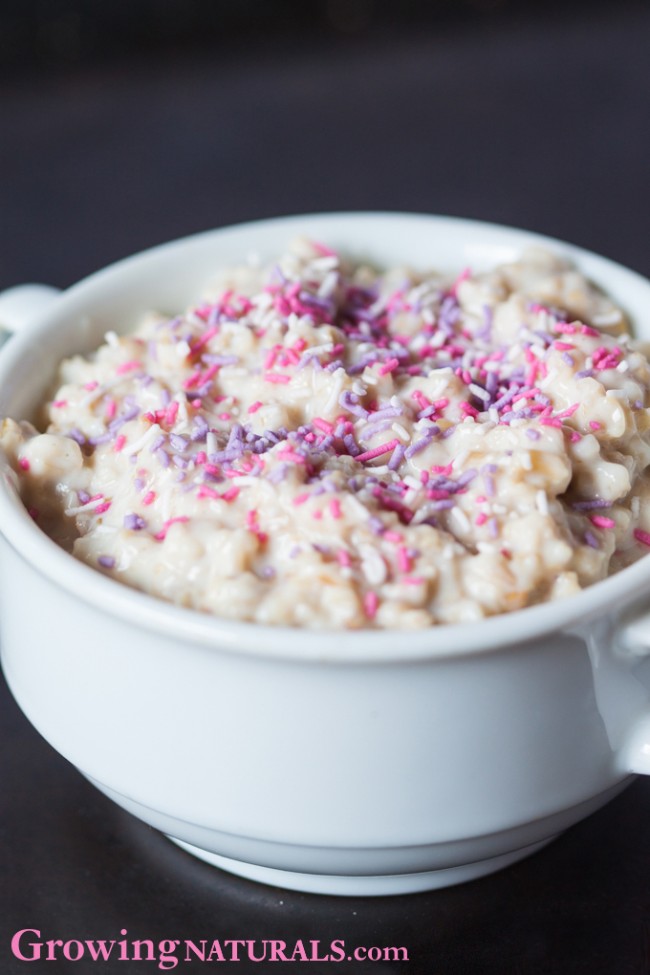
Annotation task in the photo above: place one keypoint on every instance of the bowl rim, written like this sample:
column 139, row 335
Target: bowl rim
column 364, row 645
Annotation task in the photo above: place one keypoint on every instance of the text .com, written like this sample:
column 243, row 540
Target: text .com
column 29, row 945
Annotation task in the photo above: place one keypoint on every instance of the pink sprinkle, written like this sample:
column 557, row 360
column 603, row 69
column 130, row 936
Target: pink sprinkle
column 468, row 409
column 595, row 425
column 59, row 402
column 276, row 377
column 149, row 497
column 343, row 558
column 23, row 463
column 128, row 366
column 564, row 328
column 575, row 437
column 641, row 536
column 93, row 384
column 437, row 469
column 322, row 249
column 224, row 416
column 171, row 413
column 230, row 494
column 563, row 346
column 323, row 425
column 301, row 498
column 568, row 412
column 318, row 514
column 292, row 456
column 207, row 492
column 389, row 366
column 254, row 407
column 600, row 521
column 459, row 280
column 162, row 534
column 101, row 508
column 119, row 443
column 192, row 380
column 204, row 339
column 371, row 604
column 111, row 409
column 271, row 356
column 335, row 508
column 392, row 536
column 403, row 560
column 481, row 518
column 413, row 580
column 201, row 457
column 377, row 451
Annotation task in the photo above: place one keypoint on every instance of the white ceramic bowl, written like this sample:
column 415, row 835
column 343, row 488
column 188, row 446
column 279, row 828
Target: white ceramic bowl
column 348, row 763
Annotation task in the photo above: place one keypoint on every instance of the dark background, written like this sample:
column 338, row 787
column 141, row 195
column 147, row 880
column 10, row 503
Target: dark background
column 126, row 124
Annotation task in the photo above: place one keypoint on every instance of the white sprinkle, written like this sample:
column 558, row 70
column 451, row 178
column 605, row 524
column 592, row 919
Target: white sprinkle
column 461, row 519
column 526, row 461
column 623, row 366
column 460, row 458
column 146, row 438
column 111, row 338
column 479, row 392
column 372, row 565
column 548, row 380
column 607, row 318
column 182, row 349
column 401, row 431
column 211, row 443
column 541, row 502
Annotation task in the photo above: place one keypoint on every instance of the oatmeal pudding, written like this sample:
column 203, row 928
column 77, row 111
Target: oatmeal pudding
column 320, row 443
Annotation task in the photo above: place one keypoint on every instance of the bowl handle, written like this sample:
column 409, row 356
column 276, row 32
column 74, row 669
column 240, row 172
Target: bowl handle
column 633, row 639
column 21, row 305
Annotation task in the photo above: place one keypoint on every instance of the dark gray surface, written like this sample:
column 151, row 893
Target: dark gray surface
column 533, row 121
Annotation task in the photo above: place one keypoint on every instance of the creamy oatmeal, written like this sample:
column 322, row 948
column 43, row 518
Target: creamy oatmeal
column 320, row 444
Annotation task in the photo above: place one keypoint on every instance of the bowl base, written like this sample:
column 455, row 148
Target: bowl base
column 363, row 886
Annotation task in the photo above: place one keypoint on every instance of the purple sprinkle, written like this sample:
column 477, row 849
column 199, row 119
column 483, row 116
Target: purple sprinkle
column 278, row 474
column 350, row 402
column 533, row 434
column 396, row 457
column 199, row 429
column 178, row 442
column 442, row 504
column 96, row 441
column 83, row 497
column 590, row 505
column 76, row 435
column 107, row 561
column 134, row 522
column 591, row 540
column 351, row 445
column 157, row 444
column 163, row 457
column 466, row 478
column 419, row 445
